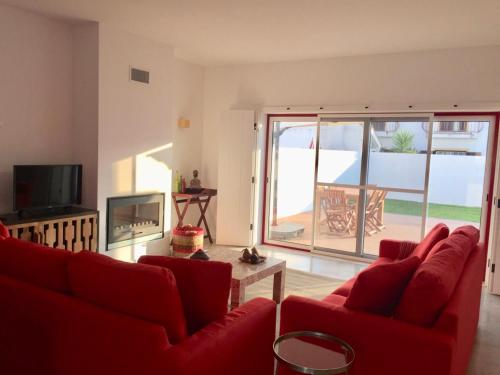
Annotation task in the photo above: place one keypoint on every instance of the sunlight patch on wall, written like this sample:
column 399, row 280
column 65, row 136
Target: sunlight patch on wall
column 123, row 176
column 153, row 172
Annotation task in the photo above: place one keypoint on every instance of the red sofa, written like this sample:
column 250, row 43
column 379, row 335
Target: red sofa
column 85, row 313
column 421, row 335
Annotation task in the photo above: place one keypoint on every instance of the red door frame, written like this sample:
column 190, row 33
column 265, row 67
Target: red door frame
column 496, row 115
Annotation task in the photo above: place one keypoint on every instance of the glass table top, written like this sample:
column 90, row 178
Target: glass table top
column 309, row 352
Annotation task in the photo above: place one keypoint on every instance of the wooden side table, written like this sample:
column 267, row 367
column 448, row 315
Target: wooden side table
column 202, row 199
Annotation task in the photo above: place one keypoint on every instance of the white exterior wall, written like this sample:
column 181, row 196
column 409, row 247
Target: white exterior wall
column 454, row 179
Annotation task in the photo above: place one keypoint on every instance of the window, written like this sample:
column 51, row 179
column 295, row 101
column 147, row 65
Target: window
column 385, row 126
column 379, row 126
column 452, row 127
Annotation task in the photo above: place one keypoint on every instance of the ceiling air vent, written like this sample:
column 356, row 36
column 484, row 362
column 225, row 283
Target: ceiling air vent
column 139, row 75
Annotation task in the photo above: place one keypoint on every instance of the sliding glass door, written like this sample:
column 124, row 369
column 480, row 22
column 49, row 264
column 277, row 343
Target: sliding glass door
column 342, row 184
column 397, row 172
column 290, row 181
column 460, row 171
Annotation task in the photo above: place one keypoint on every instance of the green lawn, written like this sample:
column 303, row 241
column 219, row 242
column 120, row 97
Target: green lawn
column 442, row 211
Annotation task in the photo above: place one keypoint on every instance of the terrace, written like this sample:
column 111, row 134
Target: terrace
column 400, row 223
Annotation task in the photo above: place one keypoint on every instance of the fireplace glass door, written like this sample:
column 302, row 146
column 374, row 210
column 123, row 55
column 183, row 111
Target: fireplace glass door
column 134, row 219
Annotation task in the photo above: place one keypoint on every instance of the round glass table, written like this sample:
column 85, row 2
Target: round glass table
column 309, row 352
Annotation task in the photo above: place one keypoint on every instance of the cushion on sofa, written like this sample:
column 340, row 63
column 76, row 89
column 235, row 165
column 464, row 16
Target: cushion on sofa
column 378, row 289
column 432, row 286
column 35, row 264
column 139, row 290
column 204, row 287
column 4, row 232
column 346, row 287
column 472, row 233
column 436, row 234
column 455, row 240
column 335, row 299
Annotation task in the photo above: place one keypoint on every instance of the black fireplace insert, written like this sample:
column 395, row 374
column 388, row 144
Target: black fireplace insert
column 134, row 219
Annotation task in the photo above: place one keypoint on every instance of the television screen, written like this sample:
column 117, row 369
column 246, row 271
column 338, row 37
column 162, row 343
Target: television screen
column 45, row 186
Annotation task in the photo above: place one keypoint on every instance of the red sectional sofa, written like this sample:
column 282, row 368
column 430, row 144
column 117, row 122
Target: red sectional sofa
column 64, row 313
column 426, row 325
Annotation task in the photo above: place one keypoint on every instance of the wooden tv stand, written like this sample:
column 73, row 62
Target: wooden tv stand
column 73, row 229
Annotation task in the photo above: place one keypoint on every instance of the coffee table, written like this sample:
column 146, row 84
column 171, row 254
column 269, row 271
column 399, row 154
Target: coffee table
column 245, row 274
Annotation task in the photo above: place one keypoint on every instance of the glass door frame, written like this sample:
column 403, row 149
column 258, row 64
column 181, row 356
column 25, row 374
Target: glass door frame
column 489, row 172
column 493, row 139
column 364, row 186
column 268, row 168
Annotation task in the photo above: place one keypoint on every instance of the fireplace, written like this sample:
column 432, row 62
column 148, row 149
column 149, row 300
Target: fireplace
column 134, row 219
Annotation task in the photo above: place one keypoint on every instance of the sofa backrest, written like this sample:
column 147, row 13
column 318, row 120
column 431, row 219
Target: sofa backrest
column 435, row 280
column 139, row 290
column 204, row 287
column 4, row 232
column 45, row 332
column 36, row 264
column 438, row 233
column 460, row 316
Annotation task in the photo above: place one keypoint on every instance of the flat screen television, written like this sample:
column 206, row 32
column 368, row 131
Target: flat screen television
column 47, row 186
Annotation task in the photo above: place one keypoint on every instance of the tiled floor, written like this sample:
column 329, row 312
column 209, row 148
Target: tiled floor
column 336, row 268
column 486, row 357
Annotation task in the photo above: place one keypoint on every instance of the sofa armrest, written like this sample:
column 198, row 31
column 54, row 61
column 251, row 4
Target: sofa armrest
column 382, row 345
column 392, row 248
column 239, row 343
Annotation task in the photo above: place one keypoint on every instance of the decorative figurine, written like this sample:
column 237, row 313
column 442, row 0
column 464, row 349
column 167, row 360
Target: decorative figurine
column 195, row 182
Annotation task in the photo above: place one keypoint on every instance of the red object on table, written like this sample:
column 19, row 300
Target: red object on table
column 202, row 199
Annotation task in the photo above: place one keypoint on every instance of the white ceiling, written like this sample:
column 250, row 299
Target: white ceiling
column 216, row 32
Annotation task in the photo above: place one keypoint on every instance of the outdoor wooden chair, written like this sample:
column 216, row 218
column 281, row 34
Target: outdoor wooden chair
column 374, row 208
column 340, row 216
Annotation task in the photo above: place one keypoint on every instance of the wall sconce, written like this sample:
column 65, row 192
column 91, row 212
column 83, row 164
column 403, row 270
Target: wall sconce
column 183, row 123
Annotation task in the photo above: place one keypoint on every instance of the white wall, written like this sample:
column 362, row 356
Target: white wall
column 454, row 179
column 135, row 126
column 188, row 82
column 35, row 94
column 85, row 106
column 448, row 76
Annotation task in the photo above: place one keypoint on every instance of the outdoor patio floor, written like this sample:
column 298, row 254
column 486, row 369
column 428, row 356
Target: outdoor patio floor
column 399, row 227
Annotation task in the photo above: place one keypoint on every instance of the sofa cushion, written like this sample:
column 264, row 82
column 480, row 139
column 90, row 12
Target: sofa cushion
column 432, row 286
column 472, row 233
column 335, row 299
column 204, row 287
column 455, row 240
column 346, row 287
column 35, row 264
column 436, row 234
column 139, row 290
column 4, row 232
column 406, row 249
column 378, row 289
